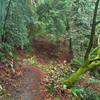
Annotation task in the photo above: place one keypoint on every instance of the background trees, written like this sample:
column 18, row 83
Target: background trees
column 13, row 27
column 72, row 19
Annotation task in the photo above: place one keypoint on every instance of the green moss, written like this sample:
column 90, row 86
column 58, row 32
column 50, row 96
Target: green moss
column 75, row 76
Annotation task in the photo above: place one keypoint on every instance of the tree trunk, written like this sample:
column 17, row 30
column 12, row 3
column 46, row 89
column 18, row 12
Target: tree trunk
column 5, row 19
column 75, row 76
column 92, row 32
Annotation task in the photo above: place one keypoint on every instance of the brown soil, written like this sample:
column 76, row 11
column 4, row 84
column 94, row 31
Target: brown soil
column 25, row 84
column 47, row 51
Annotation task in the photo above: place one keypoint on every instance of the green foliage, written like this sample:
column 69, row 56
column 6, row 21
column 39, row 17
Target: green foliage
column 51, row 88
column 91, row 95
column 78, row 61
column 93, row 81
column 94, row 53
column 69, row 18
column 85, row 94
column 56, row 17
column 77, row 92
column 52, row 14
column 6, row 49
column 13, row 29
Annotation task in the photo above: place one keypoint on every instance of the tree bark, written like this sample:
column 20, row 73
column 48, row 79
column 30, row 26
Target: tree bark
column 92, row 32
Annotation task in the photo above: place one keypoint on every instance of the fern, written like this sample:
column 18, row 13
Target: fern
column 85, row 94
column 93, row 81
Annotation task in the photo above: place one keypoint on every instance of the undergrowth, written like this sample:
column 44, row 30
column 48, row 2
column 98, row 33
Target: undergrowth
column 56, row 73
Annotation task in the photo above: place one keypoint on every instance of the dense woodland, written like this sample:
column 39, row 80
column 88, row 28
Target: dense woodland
column 49, row 49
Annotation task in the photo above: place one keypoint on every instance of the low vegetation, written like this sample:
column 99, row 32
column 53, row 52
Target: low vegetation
column 61, row 38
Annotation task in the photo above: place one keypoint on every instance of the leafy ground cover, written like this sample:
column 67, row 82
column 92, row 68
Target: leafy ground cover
column 57, row 72
column 40, row 77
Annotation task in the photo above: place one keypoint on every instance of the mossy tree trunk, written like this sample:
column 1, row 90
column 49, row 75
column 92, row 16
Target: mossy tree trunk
column 75, row 76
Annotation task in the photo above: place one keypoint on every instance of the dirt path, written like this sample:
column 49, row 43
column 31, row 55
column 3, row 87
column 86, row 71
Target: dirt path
column 28, row 85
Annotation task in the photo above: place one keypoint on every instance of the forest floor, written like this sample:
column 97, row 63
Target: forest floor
column 24, row 85
column 28, row 81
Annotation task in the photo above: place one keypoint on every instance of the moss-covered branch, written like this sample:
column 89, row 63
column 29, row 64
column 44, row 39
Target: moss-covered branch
column 75, row 76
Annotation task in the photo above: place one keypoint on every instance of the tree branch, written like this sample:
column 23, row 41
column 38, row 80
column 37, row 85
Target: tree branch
column 73, row 78
column 97, row 59
column 98, row 22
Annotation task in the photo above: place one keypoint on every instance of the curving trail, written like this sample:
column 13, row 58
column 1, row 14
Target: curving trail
column 28, row 85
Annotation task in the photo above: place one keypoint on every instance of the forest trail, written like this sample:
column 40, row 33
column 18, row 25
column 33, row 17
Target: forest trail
column 28, row 85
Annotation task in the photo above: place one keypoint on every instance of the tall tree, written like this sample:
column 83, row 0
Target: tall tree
column 88, row 64
column 93, row 29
